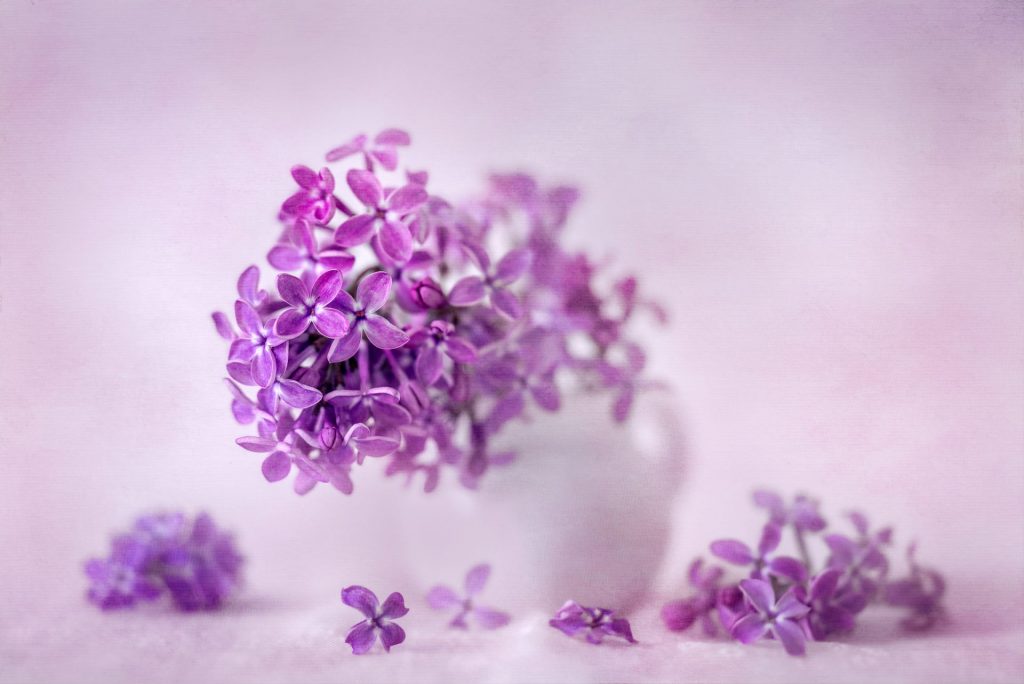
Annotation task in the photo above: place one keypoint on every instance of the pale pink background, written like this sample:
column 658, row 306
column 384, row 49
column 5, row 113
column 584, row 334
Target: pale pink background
column 827, row 196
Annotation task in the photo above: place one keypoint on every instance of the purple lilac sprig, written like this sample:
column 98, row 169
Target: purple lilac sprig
column 593, row 624
column 792, row 601
column 191, row 560
column 442, row 597
column 405, row 327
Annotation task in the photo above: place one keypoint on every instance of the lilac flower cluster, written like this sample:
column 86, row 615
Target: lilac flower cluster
column 572, row 619
column 785, row 598
column 409, row 328
column 191, row 560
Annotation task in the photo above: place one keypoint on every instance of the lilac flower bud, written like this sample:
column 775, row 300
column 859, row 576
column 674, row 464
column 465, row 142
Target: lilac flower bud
column 428, row 294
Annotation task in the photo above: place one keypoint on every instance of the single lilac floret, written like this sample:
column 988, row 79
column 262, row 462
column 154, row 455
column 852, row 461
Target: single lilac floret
column 594, row 624
column 379, row 619
column 443, row 597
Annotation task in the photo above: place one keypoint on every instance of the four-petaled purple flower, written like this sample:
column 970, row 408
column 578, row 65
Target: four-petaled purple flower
column 472, row 289
column 921, row 592
column 679, row 615
column 738, row 553
column 384, row 215
column 303, row 252
column 443, row 597
column 310, row 306
column 315, row 197
column 780, row 618
column 371, row 294
column 593, row 623
column 258, row 347
column 383, row 148
column 363, row 635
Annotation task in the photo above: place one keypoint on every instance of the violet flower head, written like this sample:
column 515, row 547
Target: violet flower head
column 379, row 619
column 679, row 615
column 594, row 624
column 191, row 560
column 415, row 328
column 780, row 618
column 442, row 597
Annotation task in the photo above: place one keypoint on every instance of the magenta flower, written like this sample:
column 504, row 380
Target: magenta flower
column 310, row 306
column 303, row 252
column 472, row 289
column 379, row 619
column 257, row 345
column 779, row 618
column 437, row 337
column 383, row 148
column 190, row 560
column 315, row 197
column 442, row 597
column 679, row 615
column 371, row 295
column 384, row 215
column 802, row 514
column 594, row 624
column 738, row 553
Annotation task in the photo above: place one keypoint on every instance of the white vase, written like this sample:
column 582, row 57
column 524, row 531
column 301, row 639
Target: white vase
column 583, row 512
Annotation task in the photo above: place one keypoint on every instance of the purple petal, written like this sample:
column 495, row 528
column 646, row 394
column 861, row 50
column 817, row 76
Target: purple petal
column 304, row 176
column 749, row 628
column 392, row 136
column 337, row 259
column 407, row 199
column 546, row 395
column 790, row 607
column 241, row 371
column 345, row 348
column 297, row 395
column 383, row 334
column 248, row 284
column 376, row 446
column 391, row 634
column 759, row 593
column 292, row 290
column 460, row 350
column 394, row 606
column 790, row 568
column 285, row 258
column 791, row 635
column 507, row 303
column 355, row 231
column 331, row 323
column 489, row 618
column 276, row 466
column 733, row 551
column 428, row 365
column 620, row 628
column 365, row 186
column 512, row 266
column 263, row 367
column 387, row 156
column 223, row 325
column 326, row 287
column 260, row 445
column 680, row 615
column 241, row 350
column 443, row 598
column 396, row 241
column 348, row 149
column 361, row 638
column 247, row 318
column 771, row 535
column 291, row 323
column 844, row 549
column 824, row 585
column 467, row 291
column 373, row 291
column 476, row 578
column 360, row 598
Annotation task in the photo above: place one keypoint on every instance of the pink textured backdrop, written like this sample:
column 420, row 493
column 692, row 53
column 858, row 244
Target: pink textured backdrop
column 827, row 195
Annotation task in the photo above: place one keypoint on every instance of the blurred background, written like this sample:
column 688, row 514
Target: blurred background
column 826, row 196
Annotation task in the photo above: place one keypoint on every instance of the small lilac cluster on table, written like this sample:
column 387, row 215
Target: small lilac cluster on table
column 409, row 328
column 783, row 598
column 191, row 560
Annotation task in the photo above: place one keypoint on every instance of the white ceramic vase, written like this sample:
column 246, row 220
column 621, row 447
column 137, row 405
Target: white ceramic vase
column 583, row 513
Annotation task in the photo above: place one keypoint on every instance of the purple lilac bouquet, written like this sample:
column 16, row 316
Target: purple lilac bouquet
column 166, row 553
column 410, row 328
column 787, row 598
